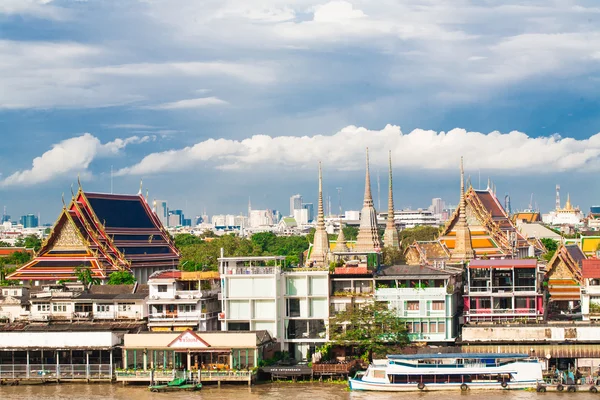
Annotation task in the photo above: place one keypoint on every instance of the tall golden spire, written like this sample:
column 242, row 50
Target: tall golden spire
column 368, row 239
column 320, row 249
column 463, row 249
column 568, row 205
column 390, row 236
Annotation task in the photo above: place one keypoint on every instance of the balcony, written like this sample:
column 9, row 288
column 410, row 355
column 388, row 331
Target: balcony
column 500, row 289
column 251, row 270
column 388, row 294
column 357, row 292
column 182, row 317
column 492, row 312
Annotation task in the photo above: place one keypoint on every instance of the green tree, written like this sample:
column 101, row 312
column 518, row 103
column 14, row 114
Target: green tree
column 373, row 327
column 85, row 276
column 551, row 246
column 418, row 233
column 350, row 232
column 29, row 242
column 186, row 239
column 392, row 255
column 19, row 258
column 121, row 278
column 4, row 244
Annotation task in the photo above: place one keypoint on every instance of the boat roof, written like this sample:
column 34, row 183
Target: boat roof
column 455, row 355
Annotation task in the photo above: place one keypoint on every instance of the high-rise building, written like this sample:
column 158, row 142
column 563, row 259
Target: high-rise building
column 295, row 203
column 310, row 210
column 437, row 205
column 162, row 211
column 29, row 221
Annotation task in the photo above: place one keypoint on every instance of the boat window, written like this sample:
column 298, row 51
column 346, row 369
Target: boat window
column 378, row 373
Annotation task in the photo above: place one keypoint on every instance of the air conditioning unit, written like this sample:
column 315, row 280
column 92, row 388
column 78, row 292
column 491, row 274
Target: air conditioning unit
column 220, row 296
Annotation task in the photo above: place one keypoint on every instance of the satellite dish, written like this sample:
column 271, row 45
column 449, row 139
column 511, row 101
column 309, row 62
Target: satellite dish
column 548, row 356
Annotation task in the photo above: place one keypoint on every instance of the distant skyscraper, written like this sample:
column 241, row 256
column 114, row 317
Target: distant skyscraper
column 29, row 221
column 162, row 211
column 176, row 218
column 310, row 211
column 437, row 205
column 295, row 203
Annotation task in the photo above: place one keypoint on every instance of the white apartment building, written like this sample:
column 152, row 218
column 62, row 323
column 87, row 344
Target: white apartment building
column 179, row 300
column 293, row 305
column 74, row 303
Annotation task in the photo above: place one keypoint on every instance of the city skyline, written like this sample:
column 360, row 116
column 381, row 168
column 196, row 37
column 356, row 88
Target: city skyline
column 183, row 97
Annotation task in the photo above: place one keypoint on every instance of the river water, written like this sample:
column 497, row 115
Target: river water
column 286, row 391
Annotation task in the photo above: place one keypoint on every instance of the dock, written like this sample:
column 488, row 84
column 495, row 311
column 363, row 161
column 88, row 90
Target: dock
column 153, row 377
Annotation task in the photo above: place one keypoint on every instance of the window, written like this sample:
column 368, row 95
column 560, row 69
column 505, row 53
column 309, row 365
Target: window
column 441, row 327
column 412, row 305
column 162, row 288
column 124, row 307
column 83, row 308
column 59, row 307
column 432, row 327
column 293, row 307
column 187, row 308
column 102, row 307
column 43, row 307
column 437, row 305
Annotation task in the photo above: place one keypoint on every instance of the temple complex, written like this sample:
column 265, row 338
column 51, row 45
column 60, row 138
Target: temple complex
column 390, row 236
column 568, row 215
column 105, row 233
column 368, row 239
column 319, row 251
column 564, row 279
column 340, row 243
column 479, row 228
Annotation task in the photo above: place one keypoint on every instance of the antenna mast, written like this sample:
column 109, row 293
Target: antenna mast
column 558, row 197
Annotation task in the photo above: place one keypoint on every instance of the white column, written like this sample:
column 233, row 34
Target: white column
column 110, row 368
column 57, row 364
column 87, row 365
column 28, row 366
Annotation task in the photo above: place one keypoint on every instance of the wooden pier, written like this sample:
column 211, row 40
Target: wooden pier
column 204, row 376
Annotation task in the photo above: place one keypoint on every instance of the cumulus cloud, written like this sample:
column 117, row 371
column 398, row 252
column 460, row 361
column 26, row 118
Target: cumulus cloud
column 70, row 156
column 189, row 103
column 420, row 149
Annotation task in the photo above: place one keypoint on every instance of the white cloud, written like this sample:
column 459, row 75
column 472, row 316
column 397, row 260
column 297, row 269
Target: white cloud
column 70, row 156
column 513, row 152
column 132, row 126
column 189, row 103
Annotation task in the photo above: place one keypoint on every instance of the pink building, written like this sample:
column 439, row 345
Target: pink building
column 503, row 290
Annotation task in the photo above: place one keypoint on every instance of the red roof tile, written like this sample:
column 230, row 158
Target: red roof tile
column 591, row 268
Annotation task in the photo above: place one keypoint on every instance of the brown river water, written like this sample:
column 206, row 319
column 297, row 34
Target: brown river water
column 287, row 391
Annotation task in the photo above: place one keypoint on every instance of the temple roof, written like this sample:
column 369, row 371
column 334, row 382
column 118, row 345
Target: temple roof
column 106, row 233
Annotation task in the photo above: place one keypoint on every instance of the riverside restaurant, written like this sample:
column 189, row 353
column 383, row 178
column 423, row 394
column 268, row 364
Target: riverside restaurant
column 204, row 352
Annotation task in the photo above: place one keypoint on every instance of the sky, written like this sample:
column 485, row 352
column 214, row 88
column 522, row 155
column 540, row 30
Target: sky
column 212, row 103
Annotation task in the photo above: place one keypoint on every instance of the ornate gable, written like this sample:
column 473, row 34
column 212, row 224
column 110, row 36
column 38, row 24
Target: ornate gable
column 68, row 238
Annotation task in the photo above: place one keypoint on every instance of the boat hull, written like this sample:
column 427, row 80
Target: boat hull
column 358, row 384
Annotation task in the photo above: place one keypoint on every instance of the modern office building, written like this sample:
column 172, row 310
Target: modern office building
column 295, row 203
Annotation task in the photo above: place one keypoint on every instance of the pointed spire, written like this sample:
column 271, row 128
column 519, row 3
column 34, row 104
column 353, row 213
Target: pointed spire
column 63, row 201
column 489, row 187
column 368, row 201
column 463, row 249
column 72, row 193
column 390, row 236
column 368, row 239
column 147, row 193
column 141, row 187
column 78, row 181
column 320, row 248
column 340, row 243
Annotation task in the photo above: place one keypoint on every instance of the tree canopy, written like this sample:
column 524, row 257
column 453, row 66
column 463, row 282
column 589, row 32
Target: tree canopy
column 30, row 242
column 121, row 278
column 551, row 246
column 85, row 276
column 372, row 326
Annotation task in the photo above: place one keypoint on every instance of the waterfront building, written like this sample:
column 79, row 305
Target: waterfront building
column 564, row 280
column 390, row 235
column 426, row 298
column 58, row 353
column 192, row 350
column 105, row 233
column 351, row 283
column 306, row 298
column 590, row 290
column 368, row 239
column 73, row 303
column 251, row 294
column 292, row 304
column 503, row 290
column 180, row 300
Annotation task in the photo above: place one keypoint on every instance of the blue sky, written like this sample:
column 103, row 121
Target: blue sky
column 212, row 102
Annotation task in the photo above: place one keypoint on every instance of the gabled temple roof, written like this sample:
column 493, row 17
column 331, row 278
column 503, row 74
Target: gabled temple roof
column 106, row 233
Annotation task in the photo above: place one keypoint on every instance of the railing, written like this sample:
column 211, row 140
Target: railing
column 166, row 375
column 500, row 289
column 81, row 315
column 251, row 270
column 195, row 294
column 490, row 311
column 182, row 316
column 352, row 293
column 390, row 293
column 53, row 371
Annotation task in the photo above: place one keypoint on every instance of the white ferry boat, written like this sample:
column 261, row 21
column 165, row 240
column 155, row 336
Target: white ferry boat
column 464, row 371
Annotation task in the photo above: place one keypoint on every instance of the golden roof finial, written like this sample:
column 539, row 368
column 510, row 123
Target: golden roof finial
column 78, row 181
column 72, row 193
column 141, row 186
column 63, row 201
column 568, row 203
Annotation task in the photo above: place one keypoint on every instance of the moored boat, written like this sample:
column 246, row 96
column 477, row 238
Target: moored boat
column 455, row 371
